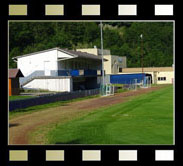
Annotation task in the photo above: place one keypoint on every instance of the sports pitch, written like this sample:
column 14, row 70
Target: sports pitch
column 145, row 119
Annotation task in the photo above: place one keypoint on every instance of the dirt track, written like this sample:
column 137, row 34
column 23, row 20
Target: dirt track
column 20, row 127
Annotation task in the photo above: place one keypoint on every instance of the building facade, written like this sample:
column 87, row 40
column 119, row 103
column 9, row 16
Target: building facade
column 160, row 75
column 114, row 63
column 60, row 70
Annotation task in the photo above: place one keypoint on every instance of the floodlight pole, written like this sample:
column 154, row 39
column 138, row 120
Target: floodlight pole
column 142, row 65
column 102, row 53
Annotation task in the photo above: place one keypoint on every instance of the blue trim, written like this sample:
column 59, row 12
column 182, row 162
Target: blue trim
column 75, row 73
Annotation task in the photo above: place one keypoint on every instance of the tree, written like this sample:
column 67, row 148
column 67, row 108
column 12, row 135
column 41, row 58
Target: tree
column 122, row 38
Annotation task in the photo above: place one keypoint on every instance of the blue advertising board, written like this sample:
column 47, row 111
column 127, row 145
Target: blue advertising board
column 126, row 78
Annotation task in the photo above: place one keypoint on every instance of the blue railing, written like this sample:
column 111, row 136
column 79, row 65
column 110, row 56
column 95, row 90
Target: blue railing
column 88, row 72
column 68, row 73
column 73, row 73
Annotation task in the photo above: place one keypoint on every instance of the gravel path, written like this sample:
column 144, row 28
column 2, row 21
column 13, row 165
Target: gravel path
column 20, row 127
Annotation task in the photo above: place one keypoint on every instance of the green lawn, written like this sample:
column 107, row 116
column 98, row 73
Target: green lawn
column 147, row 119
column 19, row 97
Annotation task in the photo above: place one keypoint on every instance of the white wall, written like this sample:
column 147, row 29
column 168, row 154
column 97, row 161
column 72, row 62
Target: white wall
column 58, row 85
column 169, row 77
column 63, row 55
column 35, row 62
column 168, row 74
column 107, row 64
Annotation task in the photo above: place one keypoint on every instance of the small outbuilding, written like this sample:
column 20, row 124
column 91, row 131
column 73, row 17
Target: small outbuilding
column 14, row 86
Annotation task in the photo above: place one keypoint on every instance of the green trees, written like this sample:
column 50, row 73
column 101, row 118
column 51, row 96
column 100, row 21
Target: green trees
column 121, row 38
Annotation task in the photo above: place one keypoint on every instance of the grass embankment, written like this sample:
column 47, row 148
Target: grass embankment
column 146, row 119
column 11, row 98
column 42, row 107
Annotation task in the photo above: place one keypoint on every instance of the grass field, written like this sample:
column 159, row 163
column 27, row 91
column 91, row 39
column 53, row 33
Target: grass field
column 146, row 119
column 11, row 98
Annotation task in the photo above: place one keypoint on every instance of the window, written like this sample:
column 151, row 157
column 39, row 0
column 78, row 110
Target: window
column 120, row 59
column 120, row 69
column 161, row 78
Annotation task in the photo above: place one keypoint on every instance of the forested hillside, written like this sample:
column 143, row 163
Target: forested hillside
column 121, row 38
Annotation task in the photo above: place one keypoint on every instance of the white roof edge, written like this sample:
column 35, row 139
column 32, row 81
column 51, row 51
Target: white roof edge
column 36, row 52
column 51, row 49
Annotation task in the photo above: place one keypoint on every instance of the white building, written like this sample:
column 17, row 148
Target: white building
column 159, row 75
column 60, row 70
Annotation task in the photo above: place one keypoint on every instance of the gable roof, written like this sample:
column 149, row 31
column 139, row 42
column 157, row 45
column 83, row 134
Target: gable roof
column 83, row 54
column 70, row 52
column 14, row 73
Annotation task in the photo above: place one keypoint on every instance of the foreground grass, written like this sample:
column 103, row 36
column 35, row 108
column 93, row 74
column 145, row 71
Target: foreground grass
column 42, row 107
column 147, row 119
column 11, row 98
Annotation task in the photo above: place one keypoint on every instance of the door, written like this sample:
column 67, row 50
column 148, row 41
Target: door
column 47, row 71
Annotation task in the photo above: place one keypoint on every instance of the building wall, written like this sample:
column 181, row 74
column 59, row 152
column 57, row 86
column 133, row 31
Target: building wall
column 89, row 50
column 168, row 75
column 147, row 69
column 114, row 63
column 37, row 62
column 110, row 66
column 43, row 61
column 94, row 51
column 155, row 72
column 107, row 64
column 124, row 64
column 105, row 52
column 51, row 84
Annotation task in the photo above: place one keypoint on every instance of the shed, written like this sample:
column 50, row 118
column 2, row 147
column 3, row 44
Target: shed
column 14, row 86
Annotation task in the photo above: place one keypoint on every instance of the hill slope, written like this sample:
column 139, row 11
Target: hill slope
column 121, row 38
